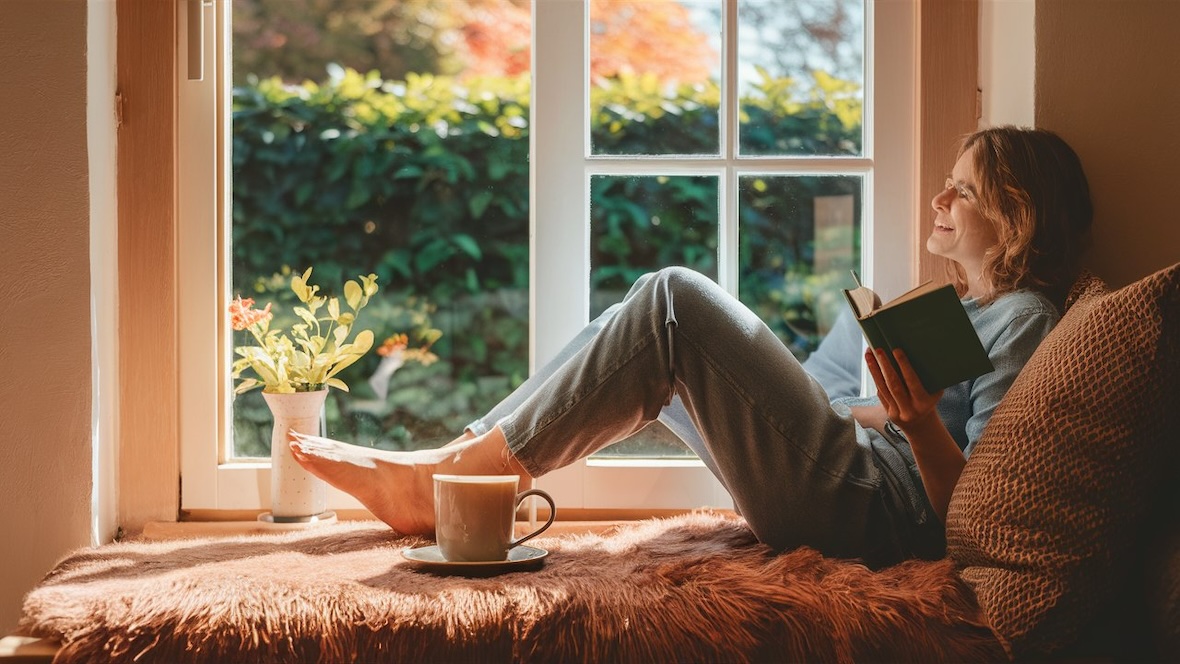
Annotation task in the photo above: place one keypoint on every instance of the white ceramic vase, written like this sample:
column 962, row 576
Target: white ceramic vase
column 295, row 494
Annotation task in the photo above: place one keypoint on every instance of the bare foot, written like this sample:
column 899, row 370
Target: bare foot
column 398, row 487
column 464, row 437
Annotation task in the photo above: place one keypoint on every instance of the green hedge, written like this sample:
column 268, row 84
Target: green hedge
column 425, row 183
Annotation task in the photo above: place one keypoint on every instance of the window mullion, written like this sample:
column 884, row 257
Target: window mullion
column 559, row 262
column 727, row 242
column 558, row 192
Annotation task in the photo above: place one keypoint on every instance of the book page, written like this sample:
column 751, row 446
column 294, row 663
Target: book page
column 913, row 293
column 864, row 301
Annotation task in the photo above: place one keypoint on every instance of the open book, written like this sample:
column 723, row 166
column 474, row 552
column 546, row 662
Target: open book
column 930, row 325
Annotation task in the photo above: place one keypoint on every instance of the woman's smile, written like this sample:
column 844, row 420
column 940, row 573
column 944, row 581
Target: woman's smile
column 961, row 233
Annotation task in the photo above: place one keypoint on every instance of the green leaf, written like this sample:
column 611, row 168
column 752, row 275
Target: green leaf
column 478, row 203
column 468, row 245
column 408, row 172
column 303, row 192
column 358, row 196
column 337, row 168
column 498, row 169
column 435, row 252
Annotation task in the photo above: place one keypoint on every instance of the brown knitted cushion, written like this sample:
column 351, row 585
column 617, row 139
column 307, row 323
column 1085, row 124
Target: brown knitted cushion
column 1047, row 515
column 1163, row 591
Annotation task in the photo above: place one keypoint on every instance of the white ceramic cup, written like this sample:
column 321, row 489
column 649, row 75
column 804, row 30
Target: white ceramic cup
column 474, row 516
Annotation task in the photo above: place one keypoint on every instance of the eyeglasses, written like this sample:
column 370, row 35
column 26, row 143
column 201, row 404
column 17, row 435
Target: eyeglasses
column 963, row 191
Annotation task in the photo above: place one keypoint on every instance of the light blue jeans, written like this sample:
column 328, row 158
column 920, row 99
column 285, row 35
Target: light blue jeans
column 681, row 350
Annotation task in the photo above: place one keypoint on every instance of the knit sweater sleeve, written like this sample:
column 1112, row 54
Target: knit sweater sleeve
column 1010, row 347
column 836, row 363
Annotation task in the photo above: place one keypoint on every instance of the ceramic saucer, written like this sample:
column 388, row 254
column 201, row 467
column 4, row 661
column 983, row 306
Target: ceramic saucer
column 520, row 558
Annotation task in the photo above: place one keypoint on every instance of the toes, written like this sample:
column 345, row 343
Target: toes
column 313, row 446
column 297, row 452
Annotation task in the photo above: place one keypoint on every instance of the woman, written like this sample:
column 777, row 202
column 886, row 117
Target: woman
column 806, row 461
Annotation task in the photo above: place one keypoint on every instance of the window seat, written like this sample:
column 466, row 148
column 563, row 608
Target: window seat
column 1063, row 542
column 696, row 586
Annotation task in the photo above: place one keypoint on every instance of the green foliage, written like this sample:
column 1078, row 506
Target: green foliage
column 777, row 119
column 308, row 356
column 631, row 114
column 293, row 39
column 425, row 183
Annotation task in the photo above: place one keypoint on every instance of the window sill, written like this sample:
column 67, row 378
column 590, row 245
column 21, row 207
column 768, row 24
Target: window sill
column 27, row 650
column 210, row 523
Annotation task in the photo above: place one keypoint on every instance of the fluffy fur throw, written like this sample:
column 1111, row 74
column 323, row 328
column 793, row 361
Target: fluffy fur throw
column 691, row 588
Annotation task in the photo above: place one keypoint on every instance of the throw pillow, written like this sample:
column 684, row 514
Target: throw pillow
column 1048, row 517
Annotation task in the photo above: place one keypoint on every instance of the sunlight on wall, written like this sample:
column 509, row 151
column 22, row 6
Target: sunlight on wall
column 101, row 143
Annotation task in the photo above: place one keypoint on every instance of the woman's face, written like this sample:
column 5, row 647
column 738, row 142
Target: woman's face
column 961, row 233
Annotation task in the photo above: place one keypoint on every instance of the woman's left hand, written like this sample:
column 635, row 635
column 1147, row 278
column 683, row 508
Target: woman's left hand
column 906, row 402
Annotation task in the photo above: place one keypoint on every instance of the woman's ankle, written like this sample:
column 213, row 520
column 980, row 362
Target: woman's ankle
column 488, row 454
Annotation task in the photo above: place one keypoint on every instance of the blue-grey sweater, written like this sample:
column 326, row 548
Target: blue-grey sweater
column 1010, row 328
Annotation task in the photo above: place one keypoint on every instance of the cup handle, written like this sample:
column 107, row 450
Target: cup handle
column 552, row 513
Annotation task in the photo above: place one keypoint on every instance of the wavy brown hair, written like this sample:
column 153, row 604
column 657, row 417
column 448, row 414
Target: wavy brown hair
column 1032, row 189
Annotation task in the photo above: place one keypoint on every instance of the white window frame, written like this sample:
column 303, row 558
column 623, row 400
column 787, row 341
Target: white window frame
column 559, row 183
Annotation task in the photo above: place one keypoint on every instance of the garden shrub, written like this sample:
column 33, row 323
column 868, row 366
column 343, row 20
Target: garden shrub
column 424, row 182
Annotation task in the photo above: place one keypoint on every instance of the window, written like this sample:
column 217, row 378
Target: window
column 717, row 195
column 745, row 174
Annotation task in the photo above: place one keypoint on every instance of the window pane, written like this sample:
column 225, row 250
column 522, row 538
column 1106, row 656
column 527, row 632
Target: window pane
column 799, row 236
column 801, row 77
column 639, row 224
column 655, row 72
column 415, row 170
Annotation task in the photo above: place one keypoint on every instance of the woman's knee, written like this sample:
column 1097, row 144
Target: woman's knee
column 648, row 279
column 682, row 282
column 688, row 290
column 673, row 292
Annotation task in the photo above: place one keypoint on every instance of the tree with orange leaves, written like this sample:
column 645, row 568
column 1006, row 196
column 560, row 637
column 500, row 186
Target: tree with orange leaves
column 296, row 39
column 632, row 36
column 495, row 37
column 644, row 37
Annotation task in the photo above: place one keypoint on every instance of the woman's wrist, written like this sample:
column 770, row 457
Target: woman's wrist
column 928, row 422
column 869, row 417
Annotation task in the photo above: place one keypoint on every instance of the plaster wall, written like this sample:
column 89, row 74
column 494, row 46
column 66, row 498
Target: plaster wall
column 45, row 349
column 1007, row 43
column 1106, row 81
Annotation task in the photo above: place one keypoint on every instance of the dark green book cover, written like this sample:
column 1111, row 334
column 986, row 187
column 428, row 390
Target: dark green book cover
column 930, row 325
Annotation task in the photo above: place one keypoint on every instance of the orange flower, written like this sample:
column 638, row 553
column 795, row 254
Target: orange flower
column 393, row 344
column 243, row 316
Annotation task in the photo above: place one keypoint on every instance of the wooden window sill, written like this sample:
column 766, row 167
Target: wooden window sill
column 26, row 650
column 162, row 531
column 206, row 523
